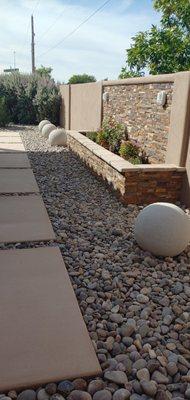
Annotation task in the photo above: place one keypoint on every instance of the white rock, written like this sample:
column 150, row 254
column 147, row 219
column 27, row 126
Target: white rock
column 47, row 129
column 42, row 124
column 162, row 229
column 58, row 137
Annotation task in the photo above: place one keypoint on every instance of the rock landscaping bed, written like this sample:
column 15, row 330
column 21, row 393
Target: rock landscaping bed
column 136, row 306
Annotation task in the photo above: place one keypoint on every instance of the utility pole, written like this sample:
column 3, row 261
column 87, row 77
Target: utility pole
column 32, row 44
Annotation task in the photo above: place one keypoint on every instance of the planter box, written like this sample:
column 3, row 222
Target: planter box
column 133, row 184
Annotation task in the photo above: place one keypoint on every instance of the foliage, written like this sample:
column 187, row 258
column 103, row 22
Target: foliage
column 47, row 101
column 111, row 134
column 84, row 78
column 164, row 49
column 30, row 98
column 44, row 71
column 130, row 73
column 4, row 113
column 174, row 12
column 131, row 151
column 92, row 136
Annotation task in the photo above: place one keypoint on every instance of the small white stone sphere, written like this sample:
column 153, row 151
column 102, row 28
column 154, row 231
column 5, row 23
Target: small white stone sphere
column 163, row 229
column 47, row 129
column 42, row 124
column 58, row 137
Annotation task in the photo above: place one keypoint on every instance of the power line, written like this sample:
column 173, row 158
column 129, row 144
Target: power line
column 51, row 26
column 35, row 7
column 77, row 27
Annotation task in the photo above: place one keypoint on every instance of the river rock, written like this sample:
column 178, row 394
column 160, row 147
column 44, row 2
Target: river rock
column 149, row 388
column 143, row 374
column 159, row 378
column 51, row 388
column 118, row 377
column 27, row 395
column 79, row 395
column 121, row 394
column 172, row 368
column 80, row 384
column 43, row 395
column 95, row 386
column 102, row 395
column 65, row 387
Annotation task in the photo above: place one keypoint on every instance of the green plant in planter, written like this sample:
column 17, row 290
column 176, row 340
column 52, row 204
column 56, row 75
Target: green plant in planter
column 102, row 138
column 92, row 136
column 130, row 151
column 111, row 134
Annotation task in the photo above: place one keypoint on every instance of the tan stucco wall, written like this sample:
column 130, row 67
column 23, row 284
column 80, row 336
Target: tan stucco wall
column 185, row 193
column 85, row 106
column 179, row 131
column 65, row 106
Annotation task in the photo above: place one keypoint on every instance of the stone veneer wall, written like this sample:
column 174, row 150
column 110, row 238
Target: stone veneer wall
column 136, row 106
column 141, row 184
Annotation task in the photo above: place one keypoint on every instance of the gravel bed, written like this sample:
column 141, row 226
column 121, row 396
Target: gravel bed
column 136, row 306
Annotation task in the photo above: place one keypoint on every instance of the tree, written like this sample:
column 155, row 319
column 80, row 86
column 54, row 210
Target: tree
column 164, row 49
column 84, row 78
column 44, row 71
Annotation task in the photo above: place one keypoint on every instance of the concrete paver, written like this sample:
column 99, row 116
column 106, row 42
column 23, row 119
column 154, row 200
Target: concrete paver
column 14, row 160
column 24, row 218
column 9, row 133
column 10, row 139
column 43, row 335
column 17, row 181
column 11, row 147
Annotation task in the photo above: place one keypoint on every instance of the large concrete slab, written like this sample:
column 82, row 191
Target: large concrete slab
column 18, row 181
column 10, row 139
column 14, row 160
column 9, row 133
column 24, row 218
column 43, row 337
column 11, row 147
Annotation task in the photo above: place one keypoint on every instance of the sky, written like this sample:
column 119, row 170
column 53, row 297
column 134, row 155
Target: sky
column 96, row 48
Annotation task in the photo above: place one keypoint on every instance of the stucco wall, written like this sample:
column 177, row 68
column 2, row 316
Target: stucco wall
column 147, row 122
column 65, row 106
column 81, row 106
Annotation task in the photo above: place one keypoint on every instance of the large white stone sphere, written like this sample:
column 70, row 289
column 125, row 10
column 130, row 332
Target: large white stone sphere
column 42, row 124
column 162, row 229
column 47, row 129
column 58, row 137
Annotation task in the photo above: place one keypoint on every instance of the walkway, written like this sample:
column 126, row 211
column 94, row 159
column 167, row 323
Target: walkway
column 43, row 336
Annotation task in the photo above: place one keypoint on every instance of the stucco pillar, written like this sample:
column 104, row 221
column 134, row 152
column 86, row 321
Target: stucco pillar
column 179, row 121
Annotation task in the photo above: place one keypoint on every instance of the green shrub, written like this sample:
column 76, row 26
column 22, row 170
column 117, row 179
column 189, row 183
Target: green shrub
column 47, row 101
column 111, row 134
column 30, row 98
column 83, row 78
column 4, row 112
column 131, row 151
column 92, row 136
column 102, row 138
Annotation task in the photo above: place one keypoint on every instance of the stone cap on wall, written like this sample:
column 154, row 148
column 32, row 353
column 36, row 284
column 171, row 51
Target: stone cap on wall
column 117, row 162
column 142, row 80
